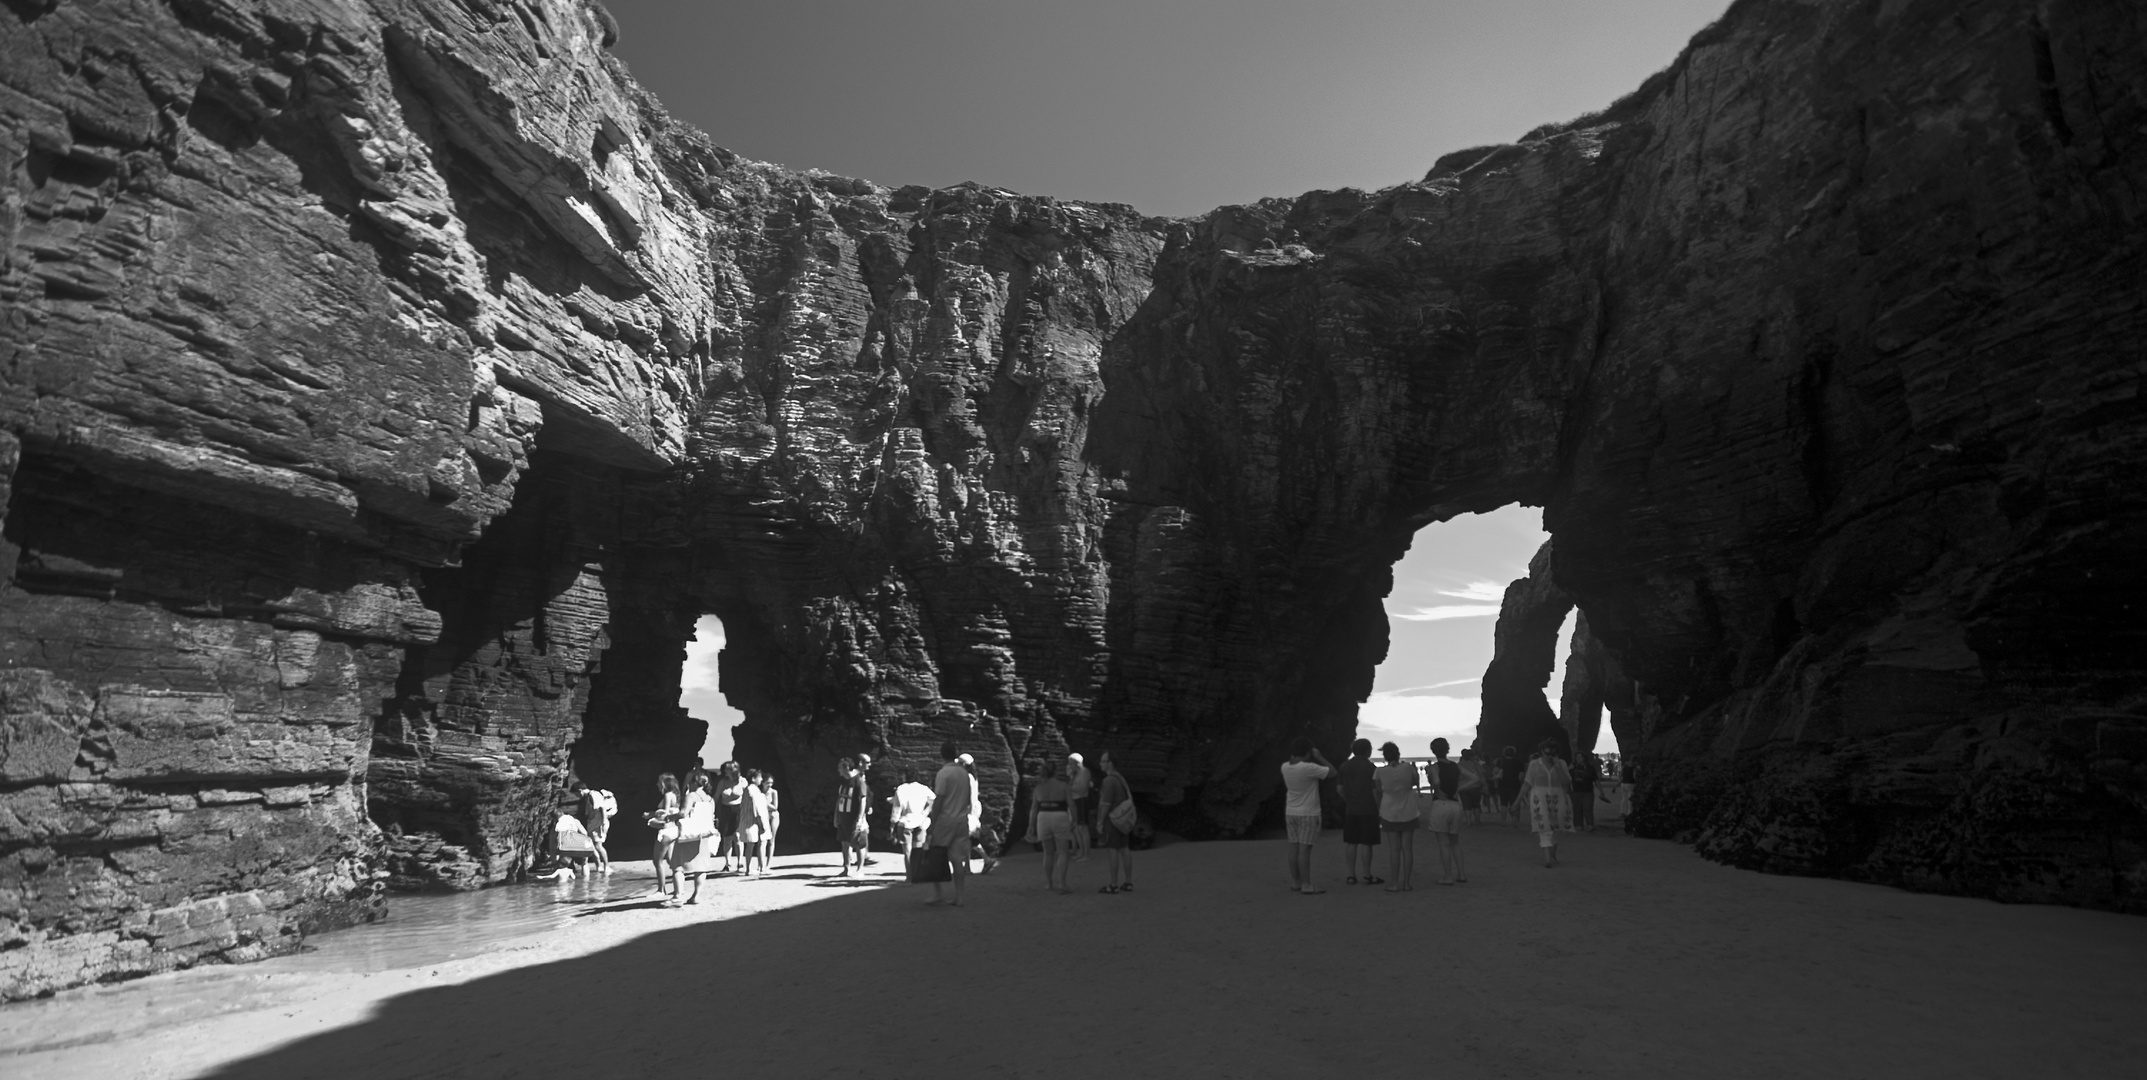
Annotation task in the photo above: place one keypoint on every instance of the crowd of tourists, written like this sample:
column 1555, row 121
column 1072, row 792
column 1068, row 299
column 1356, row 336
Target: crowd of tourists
column 718, row 823
column 724, row 822
column 1386, row 803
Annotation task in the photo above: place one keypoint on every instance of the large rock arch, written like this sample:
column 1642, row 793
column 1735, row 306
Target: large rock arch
column 387, row 387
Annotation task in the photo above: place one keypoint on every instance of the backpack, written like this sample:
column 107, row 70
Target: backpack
column 603, row 802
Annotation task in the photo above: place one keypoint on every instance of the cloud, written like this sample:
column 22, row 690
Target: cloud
column 1420, row 691
column 1445, row 611
column 1482, row 592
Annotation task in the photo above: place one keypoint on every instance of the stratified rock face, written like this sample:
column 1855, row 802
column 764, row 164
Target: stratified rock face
column 387, row 387
column 1820, row 352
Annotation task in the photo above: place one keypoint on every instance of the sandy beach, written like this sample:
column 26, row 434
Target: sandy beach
column 1636, row 959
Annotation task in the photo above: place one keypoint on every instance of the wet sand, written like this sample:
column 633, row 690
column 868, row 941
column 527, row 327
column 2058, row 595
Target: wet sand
column 1636, row 959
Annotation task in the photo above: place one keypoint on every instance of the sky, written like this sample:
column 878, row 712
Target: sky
column 1173, row 106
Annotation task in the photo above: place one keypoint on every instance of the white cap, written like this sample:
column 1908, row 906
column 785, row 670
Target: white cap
column 1075, row 757
column 965, row 759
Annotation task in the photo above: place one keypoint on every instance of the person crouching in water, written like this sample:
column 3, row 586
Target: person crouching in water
column 1398, row 815
column 1550, row 800
column 1444, row 820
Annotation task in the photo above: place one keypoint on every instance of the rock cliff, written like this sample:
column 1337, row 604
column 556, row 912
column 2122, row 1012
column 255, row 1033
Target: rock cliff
column 386, row 387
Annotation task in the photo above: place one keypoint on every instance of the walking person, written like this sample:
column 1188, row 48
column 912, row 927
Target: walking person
column 1550, row 800
column 912, row 812
column 1080, row 785
column 1051, row 825
column 1301, row 776
column 1117, row 841
column 775, row 819
column 1472, row 787
column 693, row 856
column 1444, row 819
column 850, row 826
column 664, row 819
column 729, row 791
column 950, row 828
column 1586, row 772
column 1360, row 813
column 1399, row 815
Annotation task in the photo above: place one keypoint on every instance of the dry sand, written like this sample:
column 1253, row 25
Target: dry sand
column 1636, row 959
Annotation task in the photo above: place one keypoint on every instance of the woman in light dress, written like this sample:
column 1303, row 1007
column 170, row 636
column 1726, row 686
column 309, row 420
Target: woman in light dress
column 1444, row 817
column 1398, row 815
column 1550, row 800
column 693, row 853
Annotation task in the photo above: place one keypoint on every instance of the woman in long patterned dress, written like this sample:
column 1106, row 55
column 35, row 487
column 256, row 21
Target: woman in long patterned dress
column 1550, row 800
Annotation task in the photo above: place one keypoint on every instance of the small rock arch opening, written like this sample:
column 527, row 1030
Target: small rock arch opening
column 1485, row 650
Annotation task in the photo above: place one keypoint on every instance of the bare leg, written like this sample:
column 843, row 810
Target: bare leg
column 1297, row 875
column 1304, row 858
column 1394, row 860
column 1051, row 855
column 1461, row 873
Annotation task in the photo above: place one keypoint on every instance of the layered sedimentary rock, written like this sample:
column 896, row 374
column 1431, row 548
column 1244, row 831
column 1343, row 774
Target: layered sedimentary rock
column 387, row 387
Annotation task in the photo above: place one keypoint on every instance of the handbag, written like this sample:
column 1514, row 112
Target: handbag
column 1125, row 815
column 928, row 865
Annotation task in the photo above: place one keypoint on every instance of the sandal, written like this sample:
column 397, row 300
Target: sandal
column 1349, row 881
column 1108, row 889
column 1127, row 887
column 1375, row 881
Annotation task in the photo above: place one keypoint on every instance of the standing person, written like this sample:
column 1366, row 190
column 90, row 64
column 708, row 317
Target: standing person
column 950, row 827
column 1472, row 787
column 1585, row 773
column 850, row 824
column 1508, row 778
column 1550, row 800
column 729, row 791
column 1301, row 775
column 1117, row 842
column 1398, row 815
column 693, row 855
column 752, row 823
column 664, row 819
column 775, row 819
column 1444, row 820
column 979, row 843
column 597, row 808
column 1079, row 786
column 912, row 811
column 1051, row 825
column 1360, row 813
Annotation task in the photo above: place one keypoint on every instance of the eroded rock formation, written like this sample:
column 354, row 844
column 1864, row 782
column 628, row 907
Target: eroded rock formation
column 386, row 387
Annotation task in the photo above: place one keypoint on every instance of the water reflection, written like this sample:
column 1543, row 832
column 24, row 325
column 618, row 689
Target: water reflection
column 450, row 926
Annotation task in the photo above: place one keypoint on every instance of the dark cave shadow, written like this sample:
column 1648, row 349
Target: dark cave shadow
column 534, row 1020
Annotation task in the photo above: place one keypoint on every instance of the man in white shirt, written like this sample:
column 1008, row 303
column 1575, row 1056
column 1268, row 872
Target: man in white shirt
column 1301, row 775
column 913, row 811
